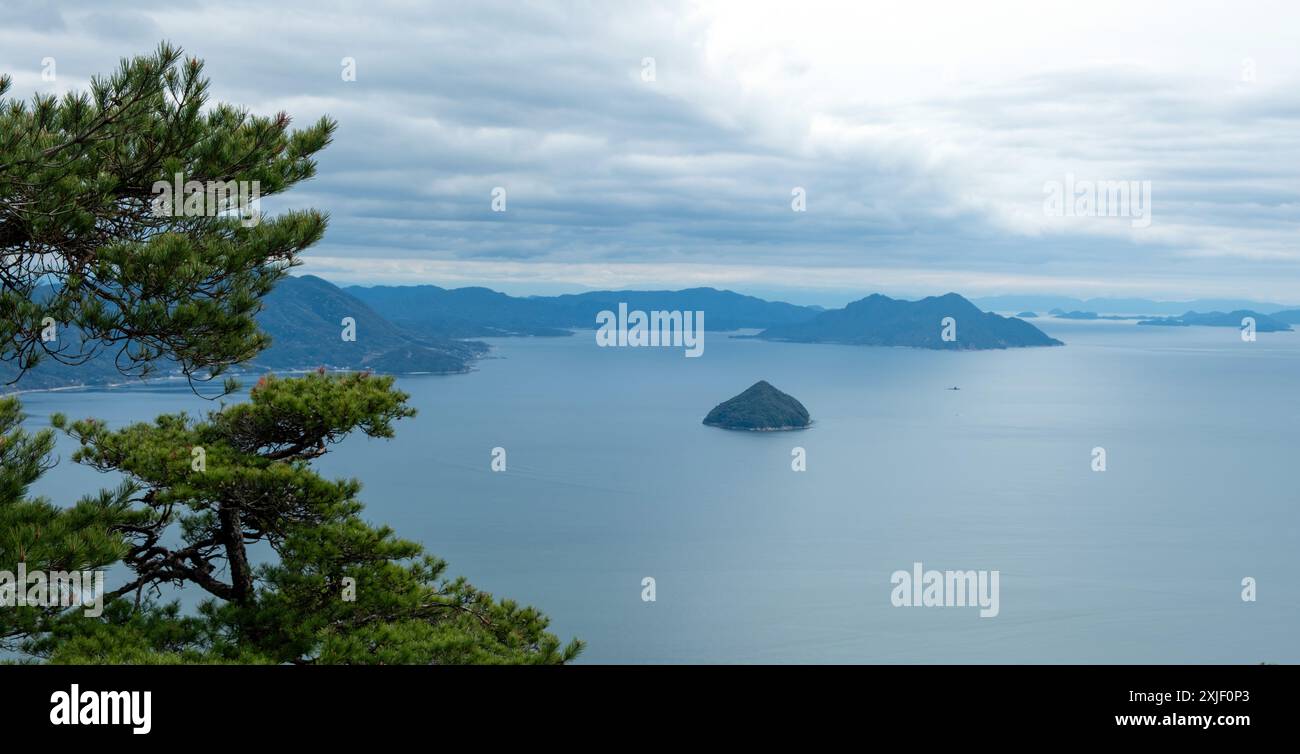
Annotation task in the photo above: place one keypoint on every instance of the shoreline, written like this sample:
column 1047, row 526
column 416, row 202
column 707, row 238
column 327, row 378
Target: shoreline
column 154, row 381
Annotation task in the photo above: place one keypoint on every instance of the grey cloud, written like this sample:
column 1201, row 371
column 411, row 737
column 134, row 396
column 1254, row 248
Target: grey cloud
column 545, row 99
column 36, row 15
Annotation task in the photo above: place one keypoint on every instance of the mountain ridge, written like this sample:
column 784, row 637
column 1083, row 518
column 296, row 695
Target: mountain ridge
column 481, row 312
column 878, row 320
column 304, row 316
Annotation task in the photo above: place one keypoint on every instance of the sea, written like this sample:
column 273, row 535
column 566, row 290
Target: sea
column 656, row 539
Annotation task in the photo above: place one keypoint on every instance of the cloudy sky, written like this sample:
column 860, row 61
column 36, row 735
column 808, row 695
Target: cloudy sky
column 651, row 144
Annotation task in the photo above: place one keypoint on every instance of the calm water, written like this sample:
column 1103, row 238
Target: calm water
column 612, row 478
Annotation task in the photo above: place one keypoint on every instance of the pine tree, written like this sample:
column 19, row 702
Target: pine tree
column 83, row 244
column 86, row 246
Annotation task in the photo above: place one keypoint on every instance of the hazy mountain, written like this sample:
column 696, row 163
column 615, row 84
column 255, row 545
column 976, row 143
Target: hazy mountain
column 882, row 321
column 1263, row 322
column 480, row 312
column 459, row 312
column 1289, row 316
column 304, row 316
column 51, row 373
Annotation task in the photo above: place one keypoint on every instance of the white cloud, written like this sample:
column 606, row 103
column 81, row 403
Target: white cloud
column 923, row 134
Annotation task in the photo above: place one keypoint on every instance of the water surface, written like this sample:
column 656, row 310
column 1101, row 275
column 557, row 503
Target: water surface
column 612, row 478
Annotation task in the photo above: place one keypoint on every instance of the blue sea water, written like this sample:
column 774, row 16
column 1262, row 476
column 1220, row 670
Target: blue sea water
column 611, row 478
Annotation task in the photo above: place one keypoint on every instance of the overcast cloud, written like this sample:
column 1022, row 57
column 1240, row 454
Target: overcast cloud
column 922, row 135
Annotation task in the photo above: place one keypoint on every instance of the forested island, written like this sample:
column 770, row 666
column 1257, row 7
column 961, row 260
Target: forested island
column 761, row 408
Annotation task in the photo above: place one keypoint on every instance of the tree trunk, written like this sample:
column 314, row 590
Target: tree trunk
column 241, row 574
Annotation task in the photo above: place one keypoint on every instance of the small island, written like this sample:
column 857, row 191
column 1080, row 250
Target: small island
column 1263, row 322
column 761, row 408
column 1089, row 316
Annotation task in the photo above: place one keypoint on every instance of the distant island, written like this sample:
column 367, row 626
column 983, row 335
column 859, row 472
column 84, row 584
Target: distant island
column 882, row 321
column 761, row 408
column 1090, row 315
column 426, row 329
column 1147, row 308
column 1263, row 322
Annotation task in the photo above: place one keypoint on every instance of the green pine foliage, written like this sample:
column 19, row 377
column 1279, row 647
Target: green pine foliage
column 227, row 504
column 199, row 496
column 83, row 245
